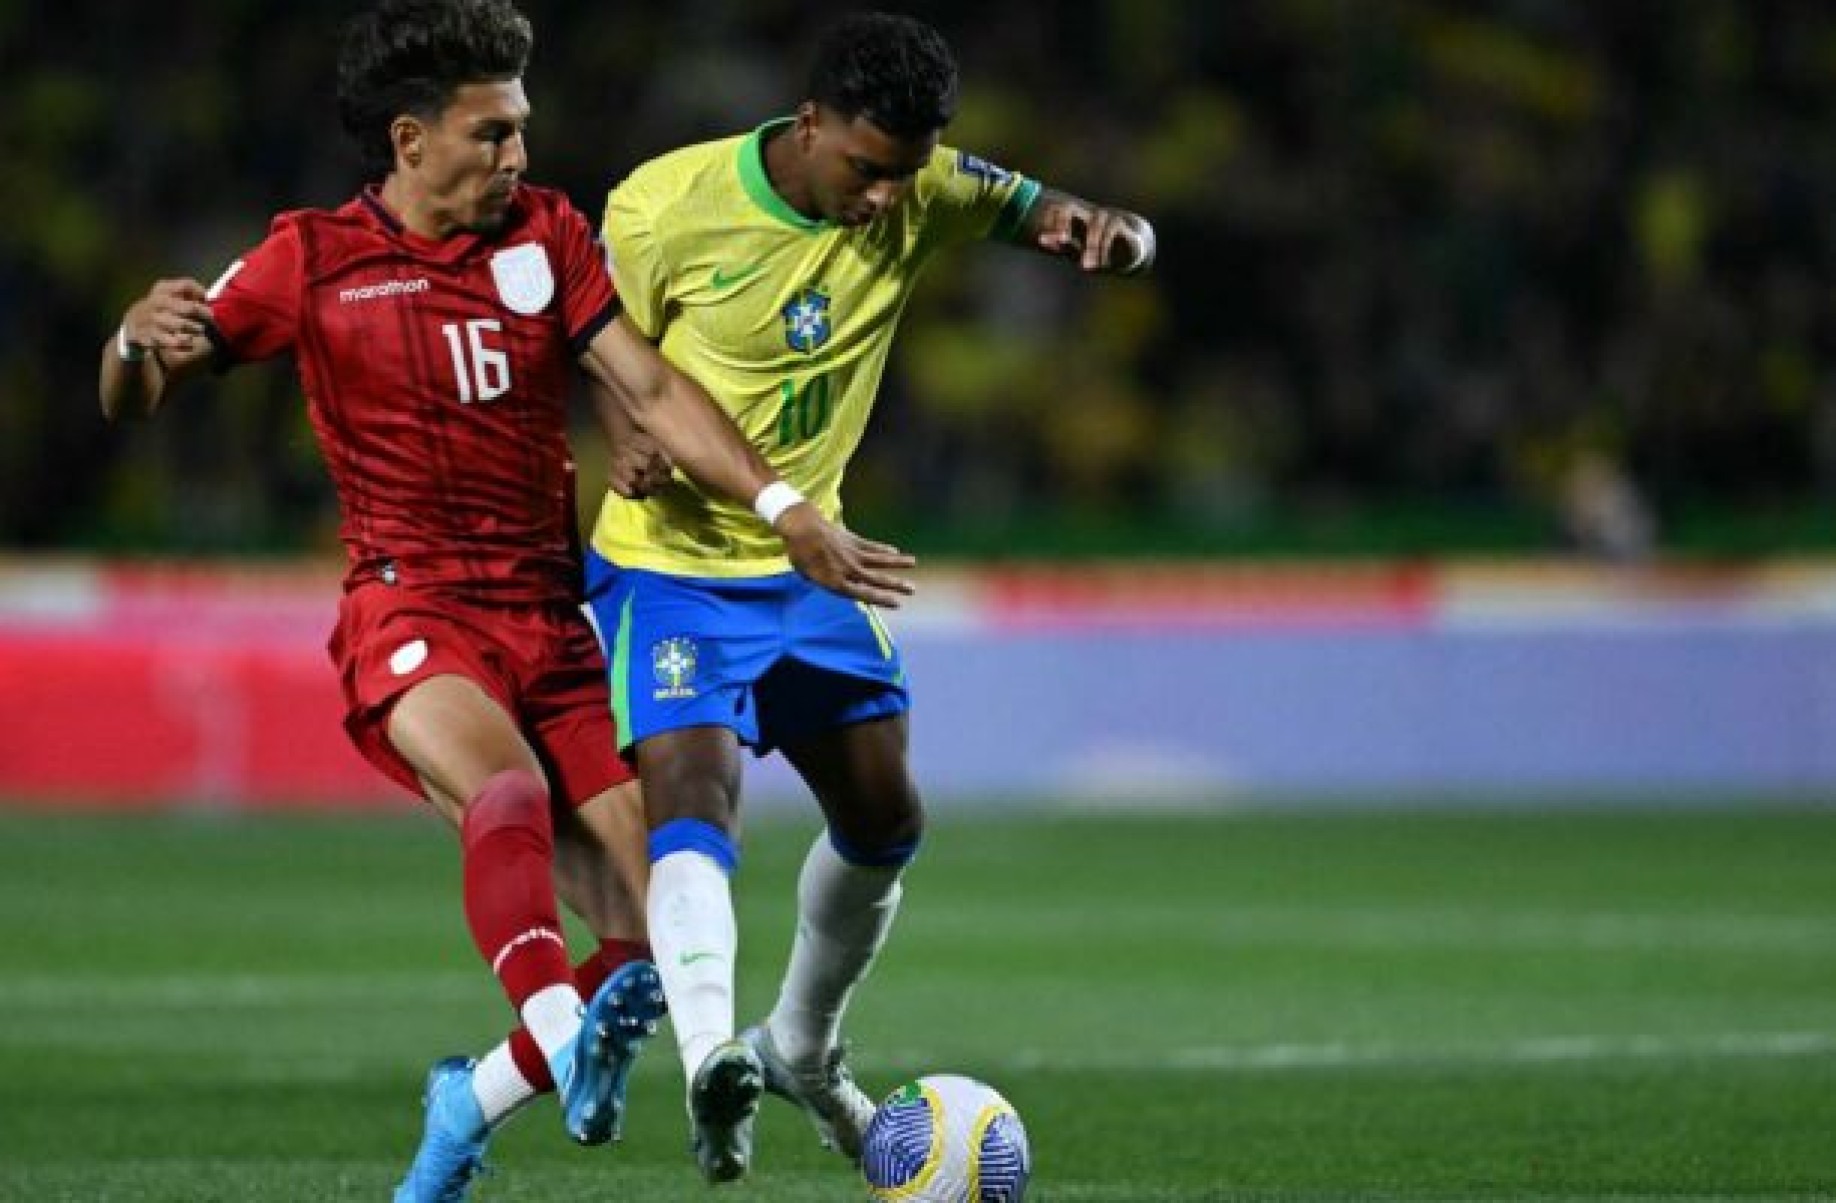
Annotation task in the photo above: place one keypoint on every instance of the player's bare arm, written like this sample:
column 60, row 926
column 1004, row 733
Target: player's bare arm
column 639, row 466
column 632, row 384
column 161, row 340
column 1097, row 238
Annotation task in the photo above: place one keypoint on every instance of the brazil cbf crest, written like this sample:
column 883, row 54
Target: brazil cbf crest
column 672, row 662
column 806, row 320
column 525, row 283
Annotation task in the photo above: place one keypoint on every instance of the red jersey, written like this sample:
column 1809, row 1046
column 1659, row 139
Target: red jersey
column 437, row 376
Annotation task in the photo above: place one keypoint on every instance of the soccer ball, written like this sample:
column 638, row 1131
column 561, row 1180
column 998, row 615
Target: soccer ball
column 946, row 1139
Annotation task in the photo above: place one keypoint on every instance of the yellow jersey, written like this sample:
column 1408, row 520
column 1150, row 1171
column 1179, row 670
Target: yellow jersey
column 786, row 321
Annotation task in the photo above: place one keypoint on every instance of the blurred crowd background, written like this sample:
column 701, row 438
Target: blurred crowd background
column 1487, row 275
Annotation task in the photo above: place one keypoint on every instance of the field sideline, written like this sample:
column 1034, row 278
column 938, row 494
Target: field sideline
column 1449, row 1005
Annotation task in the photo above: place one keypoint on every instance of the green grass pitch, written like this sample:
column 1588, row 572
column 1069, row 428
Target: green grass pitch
column 1550, row 1006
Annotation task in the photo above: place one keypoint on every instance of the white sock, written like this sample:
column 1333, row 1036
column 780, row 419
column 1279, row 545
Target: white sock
column 844, row 912
column 552, row 1015
column 695, row 938
column 499, row 1086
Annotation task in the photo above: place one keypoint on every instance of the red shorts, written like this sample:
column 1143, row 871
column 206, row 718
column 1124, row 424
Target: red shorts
column 542, row 664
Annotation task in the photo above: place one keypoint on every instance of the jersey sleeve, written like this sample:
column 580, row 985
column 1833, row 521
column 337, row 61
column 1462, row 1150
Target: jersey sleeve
column 972, row 198
column 588, row 299
column 636, row 256
column 255, row 303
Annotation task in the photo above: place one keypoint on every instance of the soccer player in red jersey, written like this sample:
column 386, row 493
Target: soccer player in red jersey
column 434, row 320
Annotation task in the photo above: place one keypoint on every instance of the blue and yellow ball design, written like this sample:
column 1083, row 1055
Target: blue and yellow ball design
column 946, row 1139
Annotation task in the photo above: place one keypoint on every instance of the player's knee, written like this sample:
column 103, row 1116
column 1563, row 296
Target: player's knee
column 885, row 848
column 514, row 798
column 681, row 784
column 902, row 830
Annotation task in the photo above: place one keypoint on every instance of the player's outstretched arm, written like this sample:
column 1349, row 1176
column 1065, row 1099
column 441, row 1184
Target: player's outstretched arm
column 633, row 385
column 1095, row 237
column 161, row 340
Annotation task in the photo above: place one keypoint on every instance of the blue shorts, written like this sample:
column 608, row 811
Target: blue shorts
column 774, row 658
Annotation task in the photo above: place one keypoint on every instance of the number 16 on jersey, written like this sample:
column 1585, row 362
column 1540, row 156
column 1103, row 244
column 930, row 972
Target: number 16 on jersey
column 483, row 372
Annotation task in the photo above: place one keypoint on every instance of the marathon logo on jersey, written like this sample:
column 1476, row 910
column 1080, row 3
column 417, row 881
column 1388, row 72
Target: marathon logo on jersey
column 387, row 288
column 806, row 320
column 524, row 281
column 981, row 169
column 672, row 662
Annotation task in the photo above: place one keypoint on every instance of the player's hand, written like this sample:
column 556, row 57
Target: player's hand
column 639, row 465
column 1098, row 239
column 171, row 317
column 841, row 561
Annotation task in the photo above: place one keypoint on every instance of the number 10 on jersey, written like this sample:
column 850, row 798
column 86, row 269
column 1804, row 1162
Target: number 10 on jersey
column 483, row 372
column 804, row 413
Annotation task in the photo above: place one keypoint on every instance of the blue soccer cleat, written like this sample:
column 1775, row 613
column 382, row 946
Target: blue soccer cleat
column 613, row 1027
column 453, row 1142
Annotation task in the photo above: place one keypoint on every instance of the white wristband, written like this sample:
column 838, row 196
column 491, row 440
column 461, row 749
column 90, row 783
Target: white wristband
column 773, row 500
column 129, row 352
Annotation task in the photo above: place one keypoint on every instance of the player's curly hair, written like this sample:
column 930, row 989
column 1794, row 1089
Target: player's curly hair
column 410, row 56
column 895, row 71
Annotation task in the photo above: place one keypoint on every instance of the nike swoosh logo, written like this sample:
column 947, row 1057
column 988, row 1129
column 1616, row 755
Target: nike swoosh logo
column 723, row 278
column 689, row 958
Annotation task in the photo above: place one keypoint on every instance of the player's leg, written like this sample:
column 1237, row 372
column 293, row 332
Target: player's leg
column 691, row 789
column 684, row 653
column 601, row 874
column 478, row 771
column 464, row 744
column 599, row 868
column 838, row 713
column 600, row 871
column 848, row 893
column 470, row 753
column 460, row 739
column 849, row 889
column 691, row 792
column 602, row 865
column 514, row 1073
column 429, row 703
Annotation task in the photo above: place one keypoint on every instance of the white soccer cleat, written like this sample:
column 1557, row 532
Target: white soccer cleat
column 839, row 1110
column 723, row 1102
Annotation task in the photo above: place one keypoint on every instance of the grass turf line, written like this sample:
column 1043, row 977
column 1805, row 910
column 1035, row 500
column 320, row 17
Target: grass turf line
column 1311, row 1007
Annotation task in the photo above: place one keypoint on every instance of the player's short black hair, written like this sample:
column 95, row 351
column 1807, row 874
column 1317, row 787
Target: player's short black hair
column 895, row 71
column 410, row 56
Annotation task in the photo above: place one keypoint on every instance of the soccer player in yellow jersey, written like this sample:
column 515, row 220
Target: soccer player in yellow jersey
column 772, row 268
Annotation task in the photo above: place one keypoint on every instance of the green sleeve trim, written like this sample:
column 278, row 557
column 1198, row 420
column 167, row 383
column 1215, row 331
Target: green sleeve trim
column 758, row 185
column 1007, row 226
